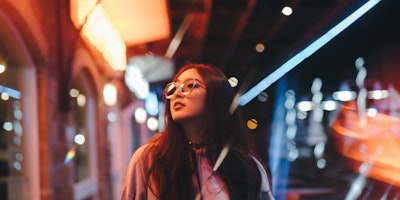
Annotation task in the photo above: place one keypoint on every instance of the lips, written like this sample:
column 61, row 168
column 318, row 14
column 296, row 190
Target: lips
column 178, row 105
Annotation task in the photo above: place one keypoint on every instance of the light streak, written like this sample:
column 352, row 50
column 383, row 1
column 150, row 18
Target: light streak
column 305, row 53
column 11, row 92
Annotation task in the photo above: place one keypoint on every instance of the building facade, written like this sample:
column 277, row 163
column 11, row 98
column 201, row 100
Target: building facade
column 58, row 138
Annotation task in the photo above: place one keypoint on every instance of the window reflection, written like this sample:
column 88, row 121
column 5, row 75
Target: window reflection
column 82, row 136
column 11, row 135
column 79, row 111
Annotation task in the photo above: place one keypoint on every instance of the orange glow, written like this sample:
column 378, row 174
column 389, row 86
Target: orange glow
column 99, row 30
column 113, row 24
column 376, row 142
column 80, row 9
column 139, row 21
column 101, row 34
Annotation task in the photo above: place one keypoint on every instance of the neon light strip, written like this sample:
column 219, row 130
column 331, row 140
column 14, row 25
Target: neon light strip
column 305, row 53
column 11, row 92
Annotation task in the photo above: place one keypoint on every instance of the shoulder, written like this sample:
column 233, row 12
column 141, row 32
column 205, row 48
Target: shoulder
column 136, row 176
column 138, row 154
column 144, row 151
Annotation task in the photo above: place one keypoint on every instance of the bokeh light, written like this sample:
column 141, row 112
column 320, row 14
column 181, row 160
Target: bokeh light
column 287, row 11
column 233, row 81
column 252, row 124
column 260, row 47
column 152, row 123
column 140, row 115
column 79, row 139
column 2, row 68
column 110, row 94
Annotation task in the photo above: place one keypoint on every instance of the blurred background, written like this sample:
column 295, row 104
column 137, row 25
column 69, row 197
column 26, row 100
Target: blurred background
column 81, row 85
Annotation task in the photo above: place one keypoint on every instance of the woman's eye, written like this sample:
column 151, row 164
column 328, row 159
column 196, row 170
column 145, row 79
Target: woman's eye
column 191, row 85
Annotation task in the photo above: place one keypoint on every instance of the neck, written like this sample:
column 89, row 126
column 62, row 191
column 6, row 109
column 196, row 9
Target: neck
column 196, row 145
column 193, row 132
column 194, row 137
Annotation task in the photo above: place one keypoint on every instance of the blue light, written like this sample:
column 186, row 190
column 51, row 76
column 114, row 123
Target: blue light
column 305, row 53
column 151, row 104
column 11, row 92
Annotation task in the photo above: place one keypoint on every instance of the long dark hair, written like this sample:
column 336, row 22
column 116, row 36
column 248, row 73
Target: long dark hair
column 171, row 166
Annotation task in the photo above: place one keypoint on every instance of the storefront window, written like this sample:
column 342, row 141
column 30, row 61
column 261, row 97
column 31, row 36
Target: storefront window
column 81, row 164
column 84, row 142
column 18, row 157
column 11, row 137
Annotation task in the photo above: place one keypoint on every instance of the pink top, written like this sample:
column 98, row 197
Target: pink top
column 213, row 187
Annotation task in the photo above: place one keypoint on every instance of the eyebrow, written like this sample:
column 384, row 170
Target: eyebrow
column 186, row 79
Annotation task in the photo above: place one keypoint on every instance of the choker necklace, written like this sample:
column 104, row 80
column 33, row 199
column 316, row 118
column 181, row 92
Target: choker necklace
column 196, row 145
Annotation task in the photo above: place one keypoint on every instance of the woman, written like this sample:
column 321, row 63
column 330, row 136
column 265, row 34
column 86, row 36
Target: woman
column 181, row 162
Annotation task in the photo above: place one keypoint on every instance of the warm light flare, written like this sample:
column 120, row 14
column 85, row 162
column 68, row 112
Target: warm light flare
column 100, row 32
column 375, row 142
column 80, row 9
column 138, row 21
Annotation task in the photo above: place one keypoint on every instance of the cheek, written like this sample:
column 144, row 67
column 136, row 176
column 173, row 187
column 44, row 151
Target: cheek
column 198, row 98
column 198, row 107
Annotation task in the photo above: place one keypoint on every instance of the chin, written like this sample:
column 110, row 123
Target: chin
column 179, row 118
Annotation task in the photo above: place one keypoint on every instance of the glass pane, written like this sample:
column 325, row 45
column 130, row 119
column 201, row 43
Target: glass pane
column 81, row 146
column 11, row 136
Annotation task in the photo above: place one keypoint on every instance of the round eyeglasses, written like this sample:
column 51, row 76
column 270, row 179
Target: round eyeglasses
column 186, row 87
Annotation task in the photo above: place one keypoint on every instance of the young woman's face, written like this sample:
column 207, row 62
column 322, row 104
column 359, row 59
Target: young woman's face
column 188, row 106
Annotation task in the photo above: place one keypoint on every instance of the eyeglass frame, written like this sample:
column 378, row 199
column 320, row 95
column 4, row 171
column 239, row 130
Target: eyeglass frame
column 181, row 86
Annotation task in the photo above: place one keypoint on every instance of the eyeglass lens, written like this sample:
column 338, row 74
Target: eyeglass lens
column 186, row 87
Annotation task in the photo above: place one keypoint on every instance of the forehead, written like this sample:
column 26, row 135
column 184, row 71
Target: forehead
column 189, row 74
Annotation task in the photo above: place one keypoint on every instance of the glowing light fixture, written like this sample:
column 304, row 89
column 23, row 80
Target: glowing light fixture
column 99, row 30
column 101, row 34
column 305, row 53
column 110, row 94
column 80, row 9
column 139, row 21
